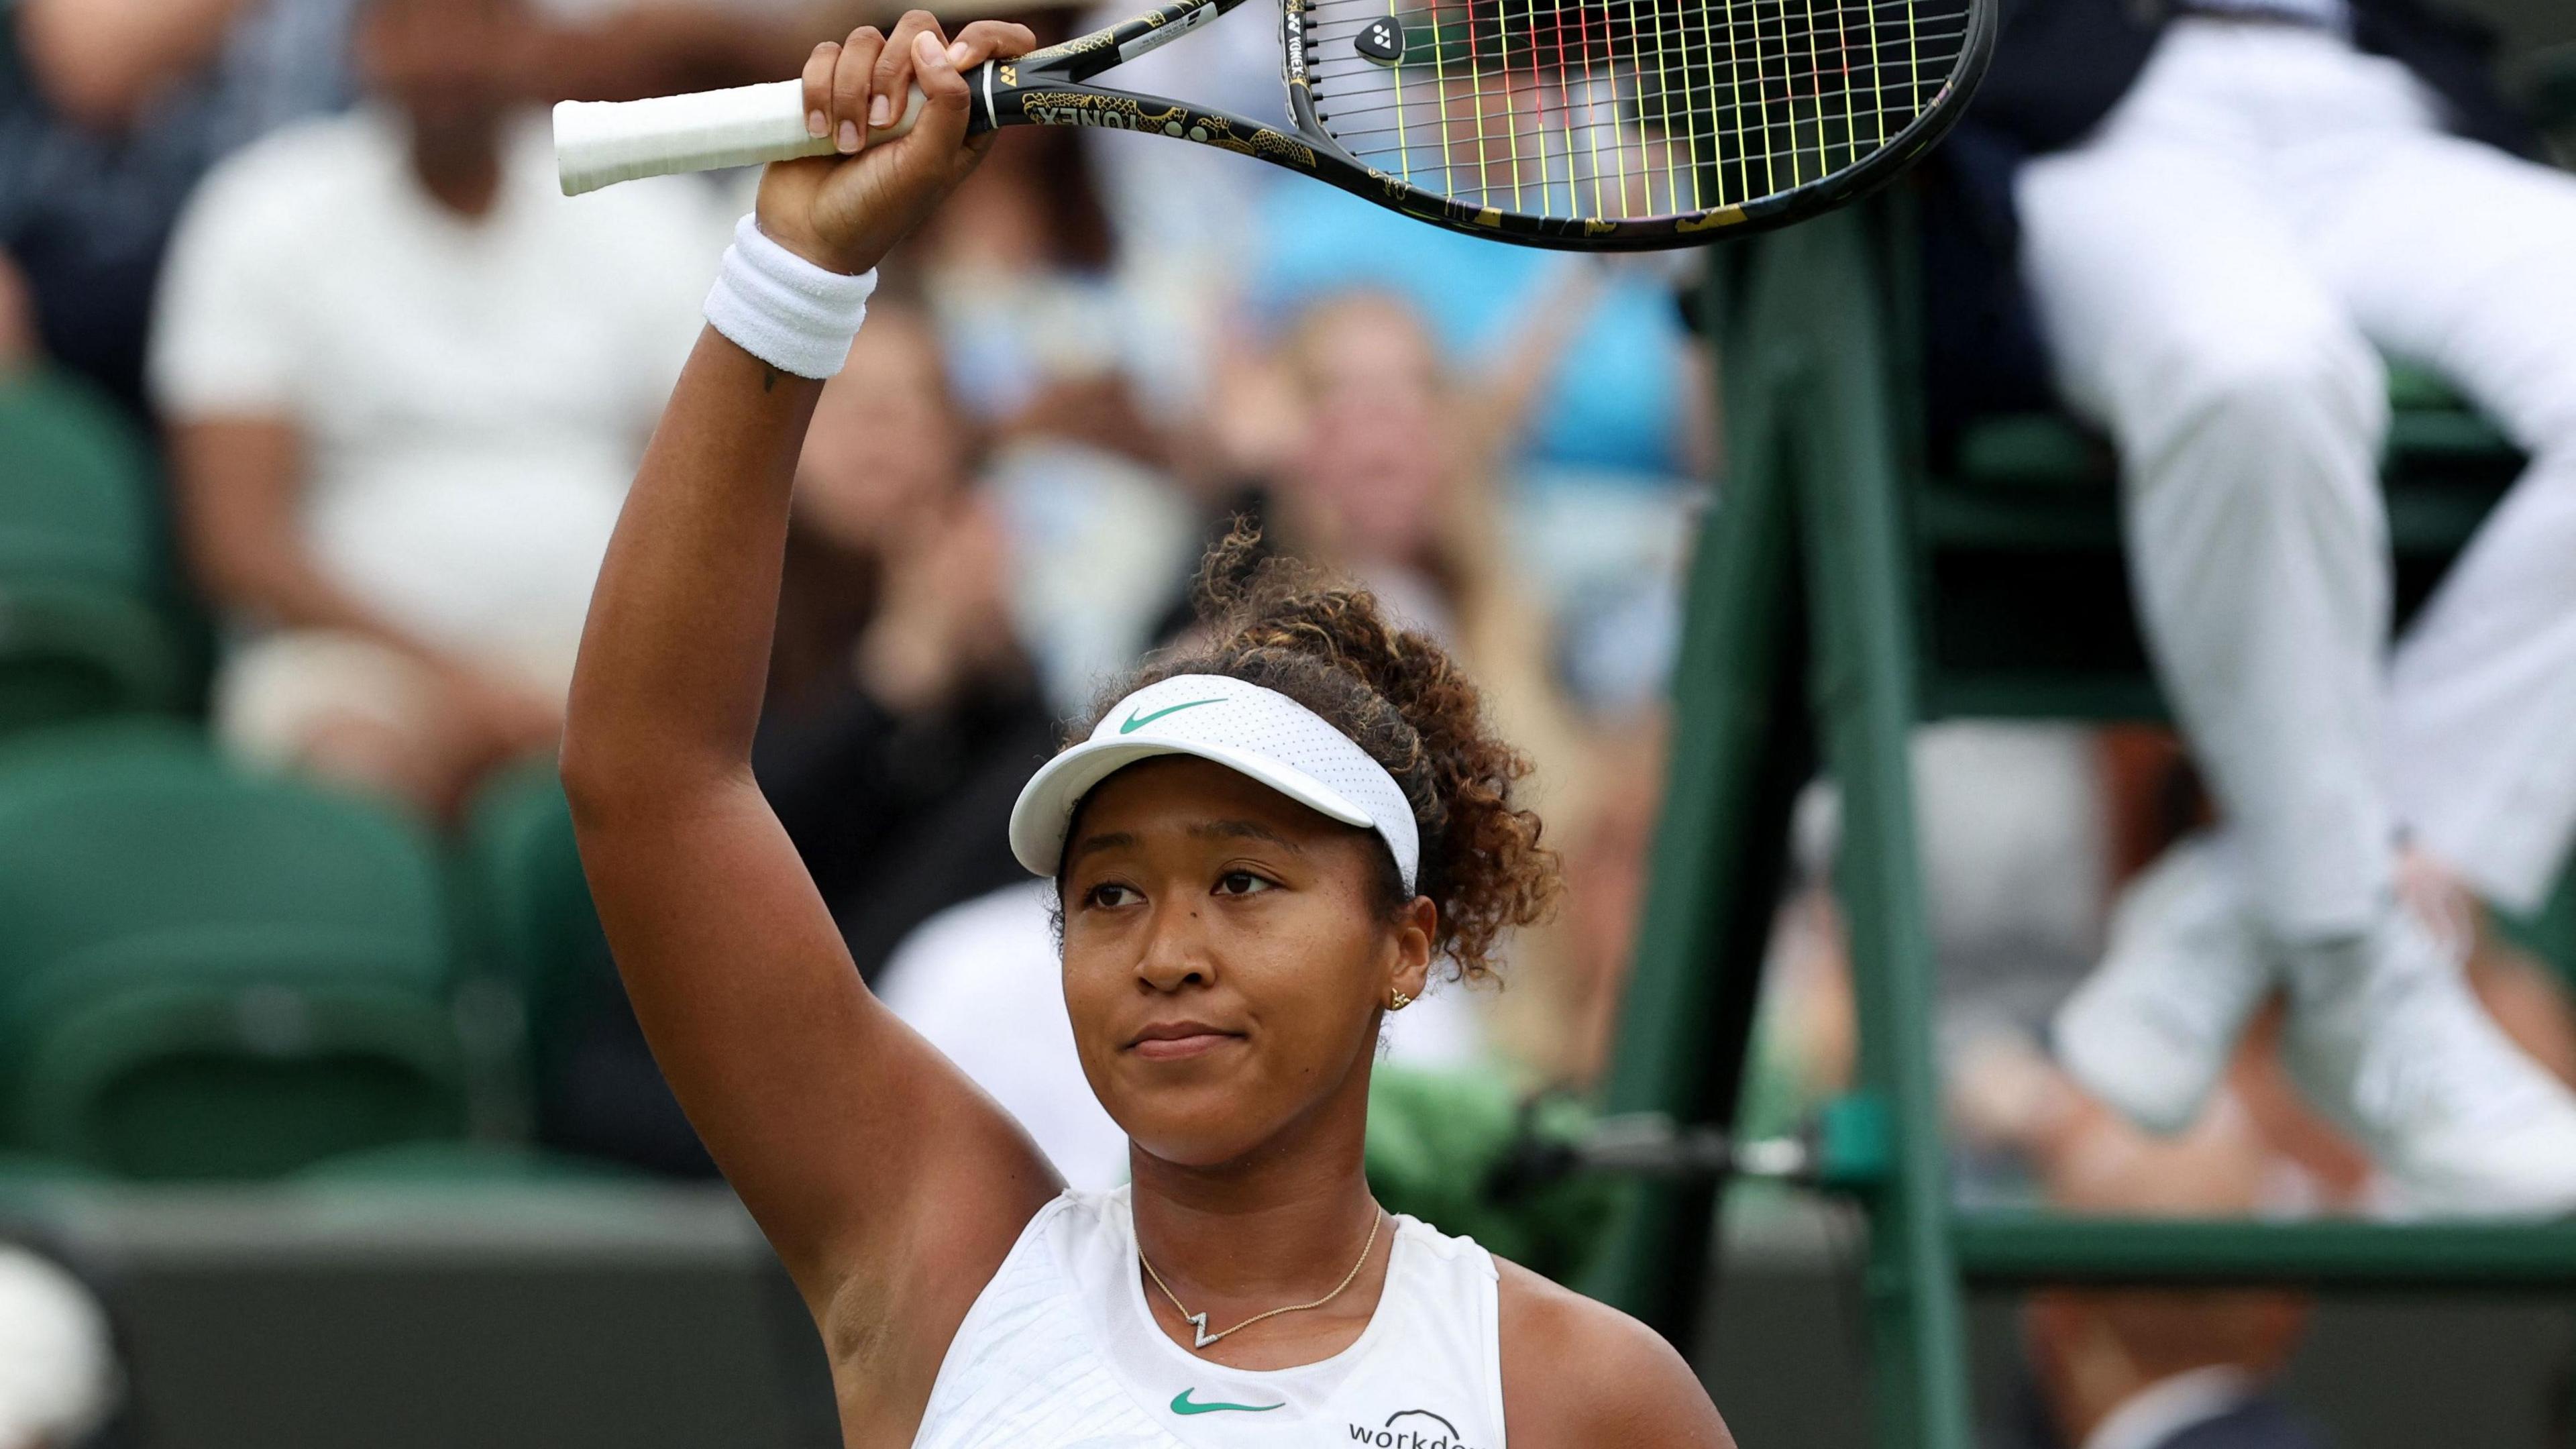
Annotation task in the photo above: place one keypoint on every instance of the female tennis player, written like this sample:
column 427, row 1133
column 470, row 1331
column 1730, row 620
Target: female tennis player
column 1261, row 849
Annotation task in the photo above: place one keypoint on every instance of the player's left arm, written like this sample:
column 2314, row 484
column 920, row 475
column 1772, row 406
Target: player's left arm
column 1578, row 1374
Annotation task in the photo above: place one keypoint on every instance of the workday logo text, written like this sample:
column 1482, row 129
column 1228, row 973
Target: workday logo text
column 1410, row 1429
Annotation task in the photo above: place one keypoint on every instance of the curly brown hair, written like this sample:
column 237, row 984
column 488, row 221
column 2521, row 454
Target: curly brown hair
column 1320, row 640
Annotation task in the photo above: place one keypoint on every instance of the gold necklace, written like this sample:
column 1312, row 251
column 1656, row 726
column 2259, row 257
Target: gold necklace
column 1198, row 1321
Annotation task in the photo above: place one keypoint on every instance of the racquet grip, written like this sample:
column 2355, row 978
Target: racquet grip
column 600, row 143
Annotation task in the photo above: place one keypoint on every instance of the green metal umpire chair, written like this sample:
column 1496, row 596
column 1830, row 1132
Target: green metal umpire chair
column 1843, row 592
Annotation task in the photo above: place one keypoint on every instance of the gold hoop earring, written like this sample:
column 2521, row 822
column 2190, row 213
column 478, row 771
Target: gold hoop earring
column 1397, row 1001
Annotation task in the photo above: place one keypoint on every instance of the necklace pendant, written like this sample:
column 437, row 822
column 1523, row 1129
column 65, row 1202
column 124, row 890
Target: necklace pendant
column 1198, row 1325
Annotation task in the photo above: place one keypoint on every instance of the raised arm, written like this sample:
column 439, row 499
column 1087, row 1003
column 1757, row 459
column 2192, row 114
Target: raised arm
column 888, row 1184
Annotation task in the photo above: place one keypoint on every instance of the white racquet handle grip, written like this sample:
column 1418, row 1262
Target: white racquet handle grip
column 600, row 143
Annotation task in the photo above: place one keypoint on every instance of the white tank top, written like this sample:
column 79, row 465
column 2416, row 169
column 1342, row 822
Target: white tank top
column 1060, row 1352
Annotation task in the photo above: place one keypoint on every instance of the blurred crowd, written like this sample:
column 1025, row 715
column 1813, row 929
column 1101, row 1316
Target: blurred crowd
column 402, row 383
column 399, row 385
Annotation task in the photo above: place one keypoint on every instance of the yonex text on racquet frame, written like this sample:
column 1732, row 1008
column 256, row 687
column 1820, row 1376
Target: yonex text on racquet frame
column 1608, row 125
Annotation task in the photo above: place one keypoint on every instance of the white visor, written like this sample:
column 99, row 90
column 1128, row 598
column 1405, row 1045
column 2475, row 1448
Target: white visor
column 1244, row 727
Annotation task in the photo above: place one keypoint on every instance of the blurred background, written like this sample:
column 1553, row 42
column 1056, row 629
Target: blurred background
column 322, row 1117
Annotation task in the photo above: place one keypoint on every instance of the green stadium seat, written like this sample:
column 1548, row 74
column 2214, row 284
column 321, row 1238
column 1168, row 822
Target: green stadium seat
column 432, row 1165
column 80, row 567
column 208, row 974
column 526, row 908
column 20, row 1172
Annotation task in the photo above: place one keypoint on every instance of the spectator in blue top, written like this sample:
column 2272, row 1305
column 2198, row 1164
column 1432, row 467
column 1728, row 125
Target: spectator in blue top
column 1622, row 398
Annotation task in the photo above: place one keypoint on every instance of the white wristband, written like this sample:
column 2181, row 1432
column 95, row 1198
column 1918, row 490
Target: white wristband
column 783, row 309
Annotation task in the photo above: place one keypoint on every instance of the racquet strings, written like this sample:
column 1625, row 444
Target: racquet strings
column 1624, row 109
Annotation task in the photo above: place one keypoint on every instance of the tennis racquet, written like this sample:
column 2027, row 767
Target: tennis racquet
column 1608, row 125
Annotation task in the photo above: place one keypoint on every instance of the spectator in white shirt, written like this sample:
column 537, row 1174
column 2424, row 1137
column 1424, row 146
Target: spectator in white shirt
column 408, row 383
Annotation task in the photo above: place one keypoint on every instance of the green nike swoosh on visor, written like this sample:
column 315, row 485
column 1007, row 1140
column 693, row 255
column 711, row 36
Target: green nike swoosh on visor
column 1137, row 721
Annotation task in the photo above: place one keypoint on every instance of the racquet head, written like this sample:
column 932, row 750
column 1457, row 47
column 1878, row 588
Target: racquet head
column 1604, row 125
column 1629, row 123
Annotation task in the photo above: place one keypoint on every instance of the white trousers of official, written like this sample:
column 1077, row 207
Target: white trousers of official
column 2218, row 271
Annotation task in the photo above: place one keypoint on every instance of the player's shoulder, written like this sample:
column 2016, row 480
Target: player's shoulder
column 1579, row 1372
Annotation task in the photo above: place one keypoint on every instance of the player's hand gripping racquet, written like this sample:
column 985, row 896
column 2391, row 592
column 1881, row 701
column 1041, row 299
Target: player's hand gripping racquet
column 1593, row 124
